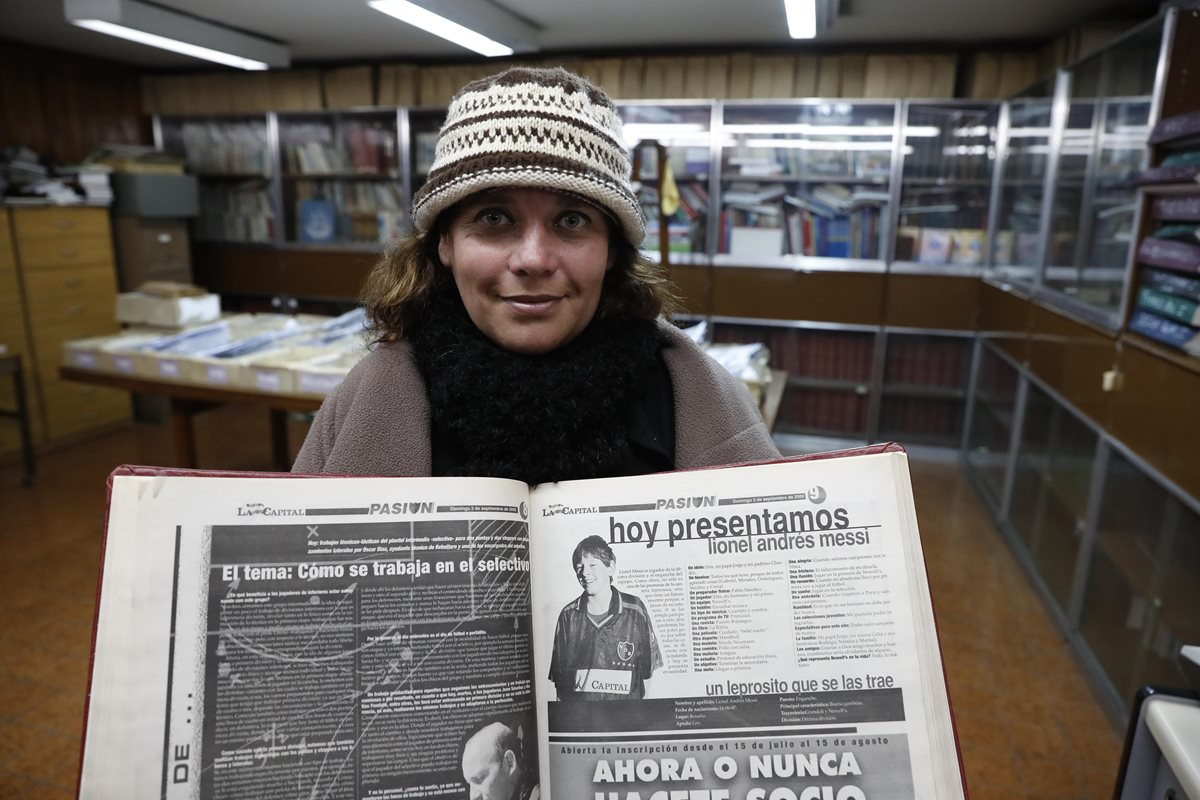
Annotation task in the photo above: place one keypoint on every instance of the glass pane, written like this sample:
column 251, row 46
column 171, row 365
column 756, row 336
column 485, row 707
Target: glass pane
column 358, row 200
column 1103, row 146
column 1119, row 598
column 1050, row 489
column 1016, row 246
column 423, row 128
column 947, row 169
column 992, row 409
column 681, row 135
column 232, row 160
column 1178, row 623
column 805, row 180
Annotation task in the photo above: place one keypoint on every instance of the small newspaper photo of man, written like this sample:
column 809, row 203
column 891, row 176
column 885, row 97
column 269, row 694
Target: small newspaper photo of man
column 604, row 644
column 496, row 764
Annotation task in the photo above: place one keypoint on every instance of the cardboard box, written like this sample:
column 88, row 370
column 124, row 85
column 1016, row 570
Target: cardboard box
column 151, row 250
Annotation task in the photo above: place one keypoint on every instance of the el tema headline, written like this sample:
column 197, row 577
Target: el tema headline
column 409, row 568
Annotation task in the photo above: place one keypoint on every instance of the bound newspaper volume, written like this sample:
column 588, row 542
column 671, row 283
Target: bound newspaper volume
column 759, row 632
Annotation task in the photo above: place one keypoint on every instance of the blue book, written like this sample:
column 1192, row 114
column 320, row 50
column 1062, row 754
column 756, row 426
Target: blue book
column 317, row 221
column 1184, row 337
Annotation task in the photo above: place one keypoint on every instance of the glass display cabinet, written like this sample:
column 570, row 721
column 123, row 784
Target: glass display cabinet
column 234, row 162
column 340, row 177
column 991, row 419
column 419, row 129
column 1108, row 100
column 681, row 135
column 1024, row 131
column 944, row 187
column 806, row 180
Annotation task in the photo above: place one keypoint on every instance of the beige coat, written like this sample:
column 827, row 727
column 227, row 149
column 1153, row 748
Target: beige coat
column 377, row 421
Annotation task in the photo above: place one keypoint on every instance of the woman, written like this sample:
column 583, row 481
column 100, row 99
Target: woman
column 517, row 329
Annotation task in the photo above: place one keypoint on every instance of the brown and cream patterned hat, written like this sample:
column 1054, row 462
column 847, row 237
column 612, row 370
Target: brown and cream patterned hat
column 533, row 128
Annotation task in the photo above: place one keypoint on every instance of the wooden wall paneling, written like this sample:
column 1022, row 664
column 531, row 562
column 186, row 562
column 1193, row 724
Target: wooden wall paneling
column 875, row 77
column 854, row 75
column 1005, row 319
column 920, row 76
column 829, row 76
column 983, row 76
column 773, row 77
column 845, row 297
column 604, row 72
column 64, row 106
column 805, row 80
column 1072, row 358
column 897, row 78
column 237, row 269
column 348, row 87
column 695, row 77
column 397, row 85
column 932, row 301
column 717, row 80
column 632, row 70
column 1153, row 414
column 945, row 74
column 741, row 73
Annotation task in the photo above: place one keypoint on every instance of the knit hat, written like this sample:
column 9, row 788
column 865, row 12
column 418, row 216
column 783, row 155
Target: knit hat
column 533, row 128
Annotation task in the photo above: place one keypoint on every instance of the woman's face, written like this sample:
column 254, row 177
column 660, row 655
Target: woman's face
column 529, row 265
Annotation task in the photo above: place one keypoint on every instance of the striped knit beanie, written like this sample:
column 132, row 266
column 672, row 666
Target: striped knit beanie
column 532, row 128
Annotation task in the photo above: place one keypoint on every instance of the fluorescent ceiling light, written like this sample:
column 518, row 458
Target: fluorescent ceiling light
column 163, row 43
column 801, row 18
column 159, row 27
column 461, row 23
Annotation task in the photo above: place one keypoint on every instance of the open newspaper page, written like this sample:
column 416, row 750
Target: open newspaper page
column 754, row 633
column 316, row 638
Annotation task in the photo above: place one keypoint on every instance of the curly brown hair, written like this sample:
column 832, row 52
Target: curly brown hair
column 397, row 289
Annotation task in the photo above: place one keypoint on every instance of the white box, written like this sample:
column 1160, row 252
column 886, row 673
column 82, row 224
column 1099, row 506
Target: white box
column 138, row 308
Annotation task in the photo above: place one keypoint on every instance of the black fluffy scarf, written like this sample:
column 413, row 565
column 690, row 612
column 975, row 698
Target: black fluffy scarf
column 558, row 416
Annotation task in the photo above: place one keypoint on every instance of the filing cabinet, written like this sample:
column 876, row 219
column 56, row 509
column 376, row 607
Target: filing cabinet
column 65, row 270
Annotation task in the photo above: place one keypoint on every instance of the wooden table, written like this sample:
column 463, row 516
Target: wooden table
column 187, row 400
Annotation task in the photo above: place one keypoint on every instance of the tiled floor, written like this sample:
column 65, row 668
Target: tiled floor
column 1029, row 726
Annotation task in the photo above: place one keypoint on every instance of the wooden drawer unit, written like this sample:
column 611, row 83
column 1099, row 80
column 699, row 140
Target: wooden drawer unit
column 58, row 297
column 65, row 253
column 60, row 223
column 68, row 290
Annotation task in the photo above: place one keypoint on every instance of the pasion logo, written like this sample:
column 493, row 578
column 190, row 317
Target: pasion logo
column 686, row 502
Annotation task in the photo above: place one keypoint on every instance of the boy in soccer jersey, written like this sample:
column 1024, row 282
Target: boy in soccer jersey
column 604, row 645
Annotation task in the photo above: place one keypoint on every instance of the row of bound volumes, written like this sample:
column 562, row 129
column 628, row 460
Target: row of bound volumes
column 820, row 354
column 927, row 361
column 238, row 148
column 921, row 417
column 314, row 148
column 238, row 213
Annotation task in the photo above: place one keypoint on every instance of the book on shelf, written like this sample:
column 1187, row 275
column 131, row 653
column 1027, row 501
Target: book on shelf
column 752, row 193
column 1172, row 283
column 934, row 246
column 1181, row 127
column 1186, row 232
column 316, row 221
column 769, row 633
column 1166, row 305
column 1185, row 208
column 1170, row 254
column 1175, row 334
